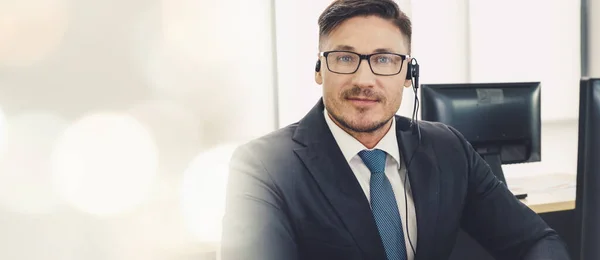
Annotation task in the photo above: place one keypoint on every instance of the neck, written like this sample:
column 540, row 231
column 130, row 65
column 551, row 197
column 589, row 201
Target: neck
column 368, row 139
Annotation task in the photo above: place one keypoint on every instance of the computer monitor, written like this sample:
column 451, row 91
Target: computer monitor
column 500, row 120
column 588, row 168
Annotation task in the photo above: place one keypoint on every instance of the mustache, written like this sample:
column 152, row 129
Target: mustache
column 357, row 92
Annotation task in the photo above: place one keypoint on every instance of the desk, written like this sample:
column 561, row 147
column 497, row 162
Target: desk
column 546, row 193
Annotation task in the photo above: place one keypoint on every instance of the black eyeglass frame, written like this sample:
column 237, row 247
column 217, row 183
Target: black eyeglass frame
column 365, row 57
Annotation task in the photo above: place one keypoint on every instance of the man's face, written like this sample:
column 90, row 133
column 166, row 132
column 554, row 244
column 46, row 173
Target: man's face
column 363, row 102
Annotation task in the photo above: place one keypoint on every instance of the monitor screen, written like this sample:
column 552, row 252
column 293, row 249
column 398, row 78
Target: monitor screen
column 501, row 118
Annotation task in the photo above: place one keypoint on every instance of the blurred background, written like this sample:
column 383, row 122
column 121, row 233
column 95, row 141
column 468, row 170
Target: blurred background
column 118, row 118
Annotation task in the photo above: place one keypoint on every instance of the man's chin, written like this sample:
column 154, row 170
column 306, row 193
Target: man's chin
column 365, row 121
column 365, row 127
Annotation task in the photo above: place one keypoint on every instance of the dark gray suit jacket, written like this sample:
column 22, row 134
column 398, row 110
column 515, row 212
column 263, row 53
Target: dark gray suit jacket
column 292, row 195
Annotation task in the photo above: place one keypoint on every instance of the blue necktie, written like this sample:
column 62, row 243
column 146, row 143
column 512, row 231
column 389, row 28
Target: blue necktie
column 384, row 206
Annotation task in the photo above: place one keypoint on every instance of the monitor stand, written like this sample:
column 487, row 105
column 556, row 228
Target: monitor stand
column 493, row 159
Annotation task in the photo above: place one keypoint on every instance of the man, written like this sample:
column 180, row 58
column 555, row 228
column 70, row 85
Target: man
column 352, row 180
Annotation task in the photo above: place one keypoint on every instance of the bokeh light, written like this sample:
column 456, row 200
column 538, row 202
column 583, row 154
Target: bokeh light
column 186, row 23
column 200, row 56
column 25, row 168
column 31, row 30
column 176, row 130
column 191, row 61
column 203, row 192
column 105, row 164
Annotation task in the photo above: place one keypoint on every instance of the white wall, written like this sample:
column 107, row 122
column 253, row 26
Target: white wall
column 297, row 48
column 440, row 44
column 441, row 40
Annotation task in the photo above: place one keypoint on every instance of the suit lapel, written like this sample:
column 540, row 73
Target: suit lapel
column 328, row 167
column 424, row 177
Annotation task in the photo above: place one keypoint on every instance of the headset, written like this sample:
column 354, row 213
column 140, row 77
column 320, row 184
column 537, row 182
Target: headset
column 318, row 67
column 413, row 75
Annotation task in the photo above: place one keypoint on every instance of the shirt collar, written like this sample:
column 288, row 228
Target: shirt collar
column 350, row 146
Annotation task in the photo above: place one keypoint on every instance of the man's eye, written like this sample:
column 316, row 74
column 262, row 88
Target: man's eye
column 345, row 58
column 383, row 59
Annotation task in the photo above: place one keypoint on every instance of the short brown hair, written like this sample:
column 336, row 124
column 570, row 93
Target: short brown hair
column 341, row 10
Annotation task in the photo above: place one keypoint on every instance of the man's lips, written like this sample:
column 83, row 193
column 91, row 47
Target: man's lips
column 362, row 99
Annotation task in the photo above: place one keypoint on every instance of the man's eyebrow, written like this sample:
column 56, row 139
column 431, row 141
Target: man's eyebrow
column 344, row 48
column 350, row 48
column 383, row 50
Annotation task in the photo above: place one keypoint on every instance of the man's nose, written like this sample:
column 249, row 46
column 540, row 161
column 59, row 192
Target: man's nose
column 364, row 76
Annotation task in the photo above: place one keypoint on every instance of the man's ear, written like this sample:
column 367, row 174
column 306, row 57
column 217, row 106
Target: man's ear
column 408, row 83
column 318, row 78
column 318, row 75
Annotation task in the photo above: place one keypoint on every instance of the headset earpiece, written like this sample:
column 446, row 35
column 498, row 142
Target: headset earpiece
column 318, row 66
column 415, row 69
column 409, row 71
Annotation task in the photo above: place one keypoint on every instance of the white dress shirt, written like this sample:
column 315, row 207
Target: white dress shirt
column 395, row 171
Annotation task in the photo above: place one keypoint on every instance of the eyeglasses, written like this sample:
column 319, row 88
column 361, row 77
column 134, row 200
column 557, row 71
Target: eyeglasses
column 347, row 62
